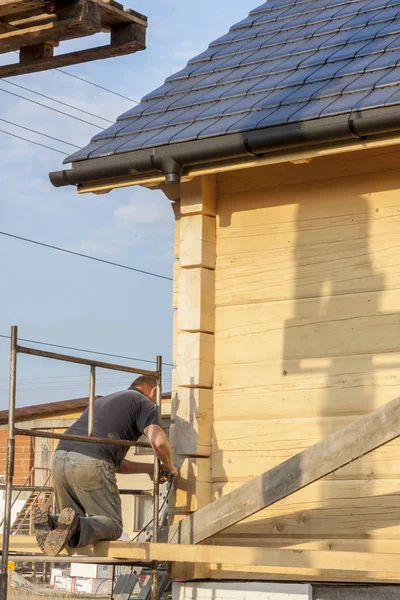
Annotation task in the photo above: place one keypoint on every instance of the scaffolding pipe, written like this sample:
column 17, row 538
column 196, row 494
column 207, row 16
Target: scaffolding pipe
column 79, row 438
column 84, row 361
column 156, row 479
column 10, row 465
column 13, row 431
column 92, row 396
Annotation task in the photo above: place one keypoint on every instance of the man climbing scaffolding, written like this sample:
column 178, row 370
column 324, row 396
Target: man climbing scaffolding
column 84, row 474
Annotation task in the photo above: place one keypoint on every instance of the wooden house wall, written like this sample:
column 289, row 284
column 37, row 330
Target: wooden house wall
column 307, row 338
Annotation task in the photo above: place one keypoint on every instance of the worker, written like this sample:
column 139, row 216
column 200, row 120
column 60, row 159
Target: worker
column 84, row 473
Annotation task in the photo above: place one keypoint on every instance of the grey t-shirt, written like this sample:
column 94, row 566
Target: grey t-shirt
column 122, row 415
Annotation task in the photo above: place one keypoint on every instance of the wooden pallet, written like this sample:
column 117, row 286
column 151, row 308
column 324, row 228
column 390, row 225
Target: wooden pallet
column 26, row 28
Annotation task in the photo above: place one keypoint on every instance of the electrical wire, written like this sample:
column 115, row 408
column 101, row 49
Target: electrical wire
column 39, row 133
column 32, row 142
column 102, row 260
column 92, row 83
column 61, row 112
column 143, row 360
column 159, row 511
column 98, row 86
column 22, row 87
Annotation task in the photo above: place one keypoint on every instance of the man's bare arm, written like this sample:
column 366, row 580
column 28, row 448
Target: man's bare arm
column 161, row 446
column 128, row 467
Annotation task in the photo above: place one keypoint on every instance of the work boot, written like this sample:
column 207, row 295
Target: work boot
column 68, row 523
column 43, row 524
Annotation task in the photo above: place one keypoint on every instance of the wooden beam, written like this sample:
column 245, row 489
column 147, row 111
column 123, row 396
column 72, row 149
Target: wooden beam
column 71, row 58
column 36, row 52
column 335, row 451
column 233, row 555
column 65, row 29
column 8, row 7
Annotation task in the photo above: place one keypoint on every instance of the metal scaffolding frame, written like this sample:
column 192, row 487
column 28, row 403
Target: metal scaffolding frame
column 13, row 431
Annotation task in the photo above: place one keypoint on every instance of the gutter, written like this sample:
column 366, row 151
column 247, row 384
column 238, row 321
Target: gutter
column 171, row 160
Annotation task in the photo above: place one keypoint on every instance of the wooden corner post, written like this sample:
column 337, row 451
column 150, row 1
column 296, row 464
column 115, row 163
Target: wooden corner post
column 194, row 327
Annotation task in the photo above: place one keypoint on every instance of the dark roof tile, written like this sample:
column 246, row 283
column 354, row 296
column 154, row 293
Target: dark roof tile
column 289, row 61
column 343, row 104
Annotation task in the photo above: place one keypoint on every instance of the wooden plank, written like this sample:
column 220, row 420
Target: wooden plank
column 193, row 418
column 18, row 6
column 196, row 300
column 59, row 30
column 26, row 20
column 338, row 449
column 345, row 164
column 175, row 286
column 324, row 510
column 71, row 58
column 143, row 552
column 246, row 464
column 355, row 324
column 232, row 572
column 195, row 360
column 308, row 247
column 198, row 241
column 36, row 52
column 113, row 13
column 192, row 488
column 354, row 384
column 199, row 196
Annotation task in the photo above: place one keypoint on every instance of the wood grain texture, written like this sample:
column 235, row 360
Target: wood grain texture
column 199, row 196
column 198, row 241
column 288, row 559
column 175, row 285
column 193, row 418
column 192, row 488
column 195, row 360
column 309, row 513
column 323, row 168
column 333, row 452
column 347, row 385
column 196, row 300
column 357, row 324
column 315, row 240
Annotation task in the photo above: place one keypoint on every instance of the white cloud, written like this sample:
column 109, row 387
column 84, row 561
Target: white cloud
column 140, row 211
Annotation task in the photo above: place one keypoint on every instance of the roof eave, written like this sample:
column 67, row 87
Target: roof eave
column 171, row 160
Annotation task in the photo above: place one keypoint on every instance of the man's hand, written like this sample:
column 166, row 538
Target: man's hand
column 167, row 474
column 161, row 446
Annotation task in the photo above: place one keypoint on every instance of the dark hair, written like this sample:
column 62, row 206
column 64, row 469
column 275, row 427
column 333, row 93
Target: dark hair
column 148, row 380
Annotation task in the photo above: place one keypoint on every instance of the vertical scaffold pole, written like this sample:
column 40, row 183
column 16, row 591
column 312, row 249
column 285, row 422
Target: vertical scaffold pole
column 10, row 465
column 156, row 507
column 92, row 396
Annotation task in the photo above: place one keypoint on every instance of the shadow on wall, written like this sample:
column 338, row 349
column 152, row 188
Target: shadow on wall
column 337, row 348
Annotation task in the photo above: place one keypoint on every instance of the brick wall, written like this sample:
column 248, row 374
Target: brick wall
column 23, row 457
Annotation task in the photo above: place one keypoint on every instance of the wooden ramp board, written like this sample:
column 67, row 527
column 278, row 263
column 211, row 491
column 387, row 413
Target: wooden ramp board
column 27, row 28
column 128, row 552
column 333, row 452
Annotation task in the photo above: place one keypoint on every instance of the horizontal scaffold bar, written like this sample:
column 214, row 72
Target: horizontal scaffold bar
column 228, row 555
column 84, row 361
column 79, row 438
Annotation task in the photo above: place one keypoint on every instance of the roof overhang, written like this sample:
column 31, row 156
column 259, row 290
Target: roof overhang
column 176, row 162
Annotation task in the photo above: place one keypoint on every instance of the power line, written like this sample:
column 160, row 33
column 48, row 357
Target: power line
column 50, row 108
column 32, row 142
column 22, row 87
column 39, row 133
column 143, row 360
column 102, row 260
column 97, row 85
column 92, row 83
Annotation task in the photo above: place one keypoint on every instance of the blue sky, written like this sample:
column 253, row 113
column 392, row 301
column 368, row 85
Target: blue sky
column 61, row 299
